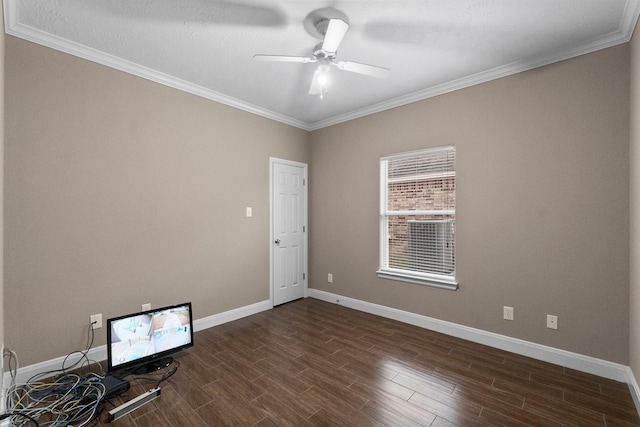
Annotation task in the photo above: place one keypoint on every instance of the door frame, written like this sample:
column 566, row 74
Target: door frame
column 305, row 208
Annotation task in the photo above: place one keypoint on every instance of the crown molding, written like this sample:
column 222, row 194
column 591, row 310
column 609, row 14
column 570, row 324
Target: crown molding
column 623, row 35
column 14, row 28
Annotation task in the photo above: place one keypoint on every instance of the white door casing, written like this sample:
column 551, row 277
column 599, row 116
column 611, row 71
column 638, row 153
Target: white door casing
column 288, row 254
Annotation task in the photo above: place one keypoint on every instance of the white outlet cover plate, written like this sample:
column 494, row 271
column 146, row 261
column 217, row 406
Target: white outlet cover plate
column 552, row 321
column 98, row 319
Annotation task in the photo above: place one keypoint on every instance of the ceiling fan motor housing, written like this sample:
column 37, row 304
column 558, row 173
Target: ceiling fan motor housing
column 319, row 52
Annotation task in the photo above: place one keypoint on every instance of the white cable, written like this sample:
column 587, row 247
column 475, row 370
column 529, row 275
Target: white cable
column 70, row 398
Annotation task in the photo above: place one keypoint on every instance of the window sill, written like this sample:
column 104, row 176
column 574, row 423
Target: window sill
column 445, row 283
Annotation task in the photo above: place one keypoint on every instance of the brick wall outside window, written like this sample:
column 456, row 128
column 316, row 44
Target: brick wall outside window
column 431, row 194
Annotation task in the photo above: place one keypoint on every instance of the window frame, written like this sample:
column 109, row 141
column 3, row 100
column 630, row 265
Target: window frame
column 442, row 281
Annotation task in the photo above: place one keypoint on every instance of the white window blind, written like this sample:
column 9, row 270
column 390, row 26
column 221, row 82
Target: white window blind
column 417, row 217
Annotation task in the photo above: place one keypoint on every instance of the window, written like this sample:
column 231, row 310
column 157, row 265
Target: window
column 417, row 217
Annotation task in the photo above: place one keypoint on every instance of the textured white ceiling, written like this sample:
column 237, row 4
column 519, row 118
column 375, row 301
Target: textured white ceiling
column 431, row 46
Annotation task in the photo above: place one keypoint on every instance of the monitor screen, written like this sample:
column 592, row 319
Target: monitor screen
column 144, row 341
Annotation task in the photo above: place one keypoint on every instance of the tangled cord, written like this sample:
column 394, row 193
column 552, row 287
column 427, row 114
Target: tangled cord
column 19, row 415
column 67, row 398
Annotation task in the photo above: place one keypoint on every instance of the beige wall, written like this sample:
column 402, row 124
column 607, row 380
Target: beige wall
column 634, row 233
column 543, row 204
column 2, row 40
column 120, row 191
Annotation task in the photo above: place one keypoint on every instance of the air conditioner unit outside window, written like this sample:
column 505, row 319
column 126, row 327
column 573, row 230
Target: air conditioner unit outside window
column 431, row 246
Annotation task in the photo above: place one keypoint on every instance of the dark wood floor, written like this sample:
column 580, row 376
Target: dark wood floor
column 313, row 363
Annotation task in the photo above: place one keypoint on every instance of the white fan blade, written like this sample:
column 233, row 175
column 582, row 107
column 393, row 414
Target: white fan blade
column 283, row 58
column 316, row 87
column 335, row 32
column 369, row 70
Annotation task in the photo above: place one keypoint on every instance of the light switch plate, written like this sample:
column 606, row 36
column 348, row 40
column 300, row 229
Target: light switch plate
column 508, row 313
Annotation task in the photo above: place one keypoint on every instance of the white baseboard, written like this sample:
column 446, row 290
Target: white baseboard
column 635, row 390
column 100, row 353
column 556, row 356
column 231, row 315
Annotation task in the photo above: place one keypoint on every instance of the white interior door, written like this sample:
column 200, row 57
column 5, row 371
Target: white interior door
column 288, row 230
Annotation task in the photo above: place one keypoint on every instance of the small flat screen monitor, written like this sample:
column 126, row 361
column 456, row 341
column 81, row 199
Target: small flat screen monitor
column 144, row 342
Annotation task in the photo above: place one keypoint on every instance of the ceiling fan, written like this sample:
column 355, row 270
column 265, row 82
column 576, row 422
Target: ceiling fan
column 332, row 31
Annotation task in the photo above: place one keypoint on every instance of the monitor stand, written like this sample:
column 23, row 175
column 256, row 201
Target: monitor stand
column 153, row 366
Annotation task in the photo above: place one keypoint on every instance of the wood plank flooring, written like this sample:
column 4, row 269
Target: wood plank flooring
column 311, row 363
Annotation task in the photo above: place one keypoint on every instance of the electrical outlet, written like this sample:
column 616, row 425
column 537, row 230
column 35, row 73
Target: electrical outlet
column 330, row 278
column 552, row 321
column 508, row 313
column 145, row 307
column 96, row 321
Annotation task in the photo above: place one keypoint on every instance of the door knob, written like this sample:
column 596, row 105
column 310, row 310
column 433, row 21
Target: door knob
column 277, row 242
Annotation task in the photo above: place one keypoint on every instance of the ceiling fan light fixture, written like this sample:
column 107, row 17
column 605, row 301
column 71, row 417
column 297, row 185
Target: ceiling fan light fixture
column 322, row 77
column 320, row 82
